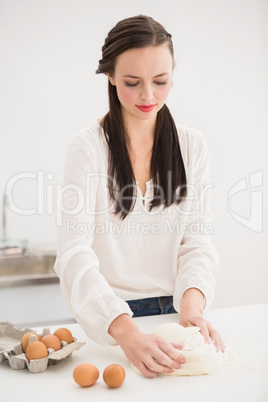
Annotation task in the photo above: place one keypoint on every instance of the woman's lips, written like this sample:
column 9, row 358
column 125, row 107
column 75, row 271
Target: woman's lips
column 146, row 108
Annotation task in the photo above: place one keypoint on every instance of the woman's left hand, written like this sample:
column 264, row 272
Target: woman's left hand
column 191, row 314
column 206, row 329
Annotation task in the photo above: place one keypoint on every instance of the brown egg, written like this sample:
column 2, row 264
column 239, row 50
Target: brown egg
column 114, row 375
column 51, row 341
column 85, row 374
column 64, row 335
column 25, row 340
column 36, row 350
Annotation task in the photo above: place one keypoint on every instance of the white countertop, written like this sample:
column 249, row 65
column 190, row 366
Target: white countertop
column 245, row 377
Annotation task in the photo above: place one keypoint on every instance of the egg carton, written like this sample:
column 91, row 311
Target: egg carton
column 10, row 349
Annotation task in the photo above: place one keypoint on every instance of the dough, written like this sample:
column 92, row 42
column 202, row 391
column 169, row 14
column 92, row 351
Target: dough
column 200, row 358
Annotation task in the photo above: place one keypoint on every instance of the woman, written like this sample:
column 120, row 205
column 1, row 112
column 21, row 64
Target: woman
column 135, row 205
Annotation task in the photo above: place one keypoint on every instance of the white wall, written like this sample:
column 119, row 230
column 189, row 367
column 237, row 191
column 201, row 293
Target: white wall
column 49, row 51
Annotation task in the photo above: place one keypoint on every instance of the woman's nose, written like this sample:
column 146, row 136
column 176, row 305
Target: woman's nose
column 147, row 93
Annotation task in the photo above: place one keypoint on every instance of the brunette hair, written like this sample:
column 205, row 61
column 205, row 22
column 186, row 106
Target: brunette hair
column 167, row 167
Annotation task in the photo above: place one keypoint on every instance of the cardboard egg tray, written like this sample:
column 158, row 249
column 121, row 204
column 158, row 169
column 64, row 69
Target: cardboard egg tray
column 10, row 349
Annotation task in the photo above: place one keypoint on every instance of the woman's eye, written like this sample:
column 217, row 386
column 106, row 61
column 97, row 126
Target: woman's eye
column 161, row 82
column 130, row 84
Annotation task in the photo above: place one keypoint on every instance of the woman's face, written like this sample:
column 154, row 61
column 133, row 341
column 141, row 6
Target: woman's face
column 143, row 79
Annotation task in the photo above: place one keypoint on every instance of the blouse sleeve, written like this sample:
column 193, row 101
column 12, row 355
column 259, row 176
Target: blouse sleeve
column 87, row 293
column 197, row 260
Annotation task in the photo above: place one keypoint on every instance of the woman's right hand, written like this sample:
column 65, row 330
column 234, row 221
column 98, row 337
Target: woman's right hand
column 150, row 353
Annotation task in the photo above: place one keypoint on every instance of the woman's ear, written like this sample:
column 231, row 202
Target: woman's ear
column 111, row 78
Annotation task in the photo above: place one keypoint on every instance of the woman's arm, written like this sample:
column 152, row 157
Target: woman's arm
column 86, row 291
column 197, row 260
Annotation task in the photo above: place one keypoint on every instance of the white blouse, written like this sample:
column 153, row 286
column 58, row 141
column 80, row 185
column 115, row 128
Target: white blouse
column 103, row 261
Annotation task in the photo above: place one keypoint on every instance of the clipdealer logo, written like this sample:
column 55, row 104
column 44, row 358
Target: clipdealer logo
column 48, row 195
column 69, row 200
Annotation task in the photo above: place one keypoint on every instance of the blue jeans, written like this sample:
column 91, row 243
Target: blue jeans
column 152, row 306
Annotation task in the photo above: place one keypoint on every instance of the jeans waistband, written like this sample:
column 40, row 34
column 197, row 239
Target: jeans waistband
column 152, row 306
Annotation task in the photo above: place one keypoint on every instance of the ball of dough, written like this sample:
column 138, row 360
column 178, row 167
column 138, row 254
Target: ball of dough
column 200, row 357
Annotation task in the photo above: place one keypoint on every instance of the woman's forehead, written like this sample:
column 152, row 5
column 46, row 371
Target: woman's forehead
column 134, row 62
